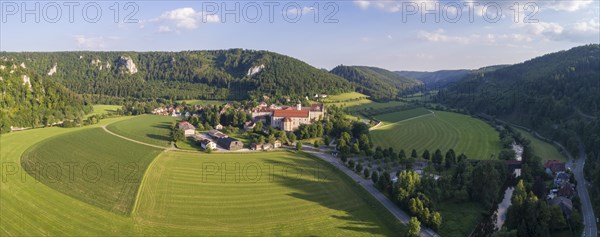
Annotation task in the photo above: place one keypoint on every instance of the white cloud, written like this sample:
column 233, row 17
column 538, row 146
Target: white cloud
column 390, row 37
column 363, row 4
column 387, row 6
column 544, row 28
column 566, row 5
column 186, row 18
column 164, row 29
column 440, row 36
column 591, row 26
column 93, row 42
column 181, row 18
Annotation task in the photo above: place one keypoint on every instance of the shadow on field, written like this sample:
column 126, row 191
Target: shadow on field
column 319, row 183
column 163, row 125
column 158, row 137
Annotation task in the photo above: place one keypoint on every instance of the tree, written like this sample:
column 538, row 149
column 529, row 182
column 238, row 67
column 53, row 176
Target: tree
column 413, row 154
column 436, row 220
column 292, row 137
column 271, row 138
column 507, row 154
column 402, row 154
column 364, row 142
column 177, row 135
column 557, row 222
column 450, row 158
column 355, row 148
column 414, row 228
column 358, row 168
column 258, row 127
column 298, row 146
column 437, row 157
column 375, row 177
column 261, row 140
column 426, row 155
column 367, row 173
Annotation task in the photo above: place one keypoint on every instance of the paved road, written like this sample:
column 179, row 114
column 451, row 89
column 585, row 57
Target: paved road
column 368, row 185
column 589, row 219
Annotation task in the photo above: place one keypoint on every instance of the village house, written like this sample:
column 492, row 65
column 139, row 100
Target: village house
column 554, row 166
column 219, row 127
column 267, row 146
column 208, row 144
column 566, row 190
column 231, row 144
column 277, row 144
column 255, row 147
column 217, row 134
column 188, row 128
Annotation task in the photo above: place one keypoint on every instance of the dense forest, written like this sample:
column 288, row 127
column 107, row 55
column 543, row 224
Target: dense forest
column 29, row 100
column 220, row 74
column 547, row 94
column 380, row 84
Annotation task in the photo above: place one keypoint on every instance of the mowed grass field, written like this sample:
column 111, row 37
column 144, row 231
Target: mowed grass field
column 92, row 166
column 257, row 194
column 421, row 129
column 103, row 109
column 544, row 150
column 286, row 204
column 152, row 129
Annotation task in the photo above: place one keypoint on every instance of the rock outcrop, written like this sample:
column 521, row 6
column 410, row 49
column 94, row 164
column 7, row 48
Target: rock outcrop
column 52, row 70
column 128, row 63
column 255, row 70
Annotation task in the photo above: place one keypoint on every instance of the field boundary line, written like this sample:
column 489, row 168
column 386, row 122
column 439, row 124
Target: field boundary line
column 132, row 140
column 408, row 119
column 142, row 184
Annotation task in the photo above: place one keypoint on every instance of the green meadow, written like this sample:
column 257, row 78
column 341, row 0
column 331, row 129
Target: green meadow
column 544, row 150
column 258, row 194
column 172, row 192
column 103, row 109
column 152, row 129
column 103, row 170
column 422, row 129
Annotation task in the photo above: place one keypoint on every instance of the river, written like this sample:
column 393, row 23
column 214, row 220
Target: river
column 494, row 222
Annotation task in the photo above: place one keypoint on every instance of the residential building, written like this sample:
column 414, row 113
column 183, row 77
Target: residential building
column 188, row 128
column 208, row 144
column 554, row 166
column 230, row 143
column 217, row 134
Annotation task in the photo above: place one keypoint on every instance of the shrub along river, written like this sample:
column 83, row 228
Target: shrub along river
column 495, row 221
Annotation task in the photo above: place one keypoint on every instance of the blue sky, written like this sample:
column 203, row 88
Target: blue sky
column 387, row 34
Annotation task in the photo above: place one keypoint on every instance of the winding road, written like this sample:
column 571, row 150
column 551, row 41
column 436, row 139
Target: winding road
column 589, row 220
column 370, row 187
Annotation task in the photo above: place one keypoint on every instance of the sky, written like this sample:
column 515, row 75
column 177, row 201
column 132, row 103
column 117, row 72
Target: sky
column 396, row 35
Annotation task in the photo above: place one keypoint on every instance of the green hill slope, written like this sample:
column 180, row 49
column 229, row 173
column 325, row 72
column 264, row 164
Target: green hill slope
column 30, row 100
column 218, row 74
column 546, row 93
column 380, row 84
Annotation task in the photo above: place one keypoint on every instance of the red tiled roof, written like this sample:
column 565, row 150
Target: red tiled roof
column 291, row 113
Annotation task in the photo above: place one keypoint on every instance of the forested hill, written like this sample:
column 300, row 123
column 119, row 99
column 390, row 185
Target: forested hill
column 380, row 84
column 438, row 78
column 219, row 74
column 31, row 100
column 544, row 93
